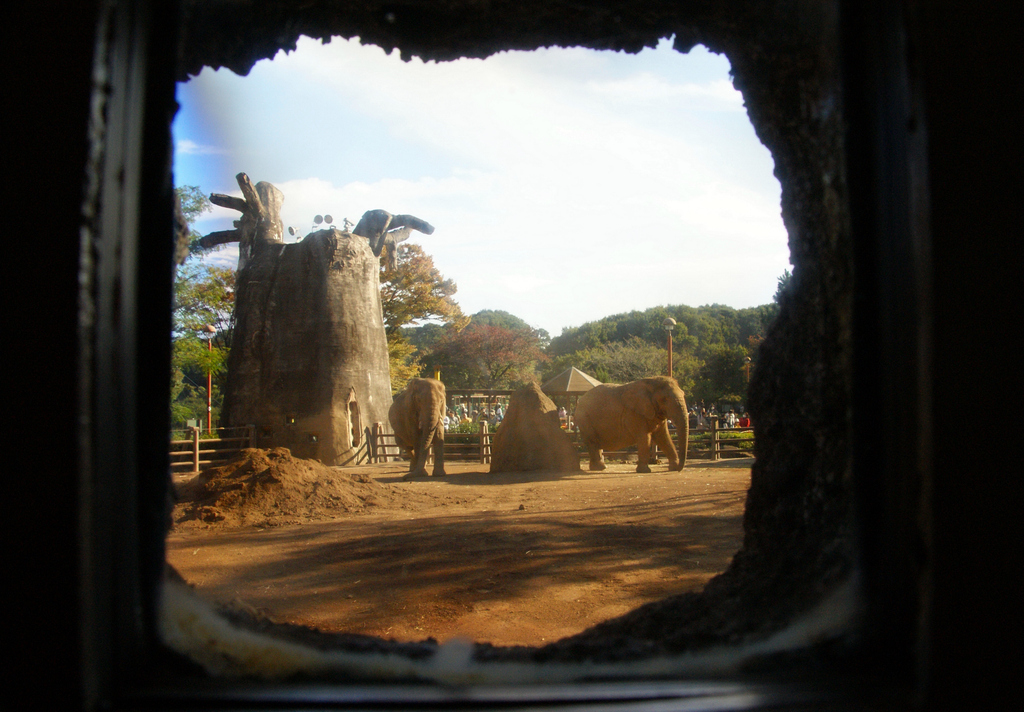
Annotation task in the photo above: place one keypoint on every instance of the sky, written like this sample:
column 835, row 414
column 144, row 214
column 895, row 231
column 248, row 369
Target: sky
column 564, row 185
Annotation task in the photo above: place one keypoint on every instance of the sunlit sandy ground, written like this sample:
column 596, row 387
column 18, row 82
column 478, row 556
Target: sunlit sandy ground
column 511, row 559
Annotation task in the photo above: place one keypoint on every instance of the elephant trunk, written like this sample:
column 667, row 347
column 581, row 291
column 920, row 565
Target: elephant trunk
column 428, row 428
column 681, row 419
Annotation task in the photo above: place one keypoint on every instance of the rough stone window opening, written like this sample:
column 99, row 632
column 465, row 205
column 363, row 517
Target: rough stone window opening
column 793, row 584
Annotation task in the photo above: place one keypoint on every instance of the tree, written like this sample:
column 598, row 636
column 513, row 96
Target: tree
column 403, row 363
column 411, row 292
column 710, row 344
column 193, row 203
column 203, row 295
column 415, row 291
column 631, row 360
column 425, row 336
column 784, row 280
column 191, row 361
column 484, row 356
column 496, row 317
column 622, row 362
column 722, row 374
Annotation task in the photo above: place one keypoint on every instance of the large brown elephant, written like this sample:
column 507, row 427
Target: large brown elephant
column 417, row 417
column 611, row 417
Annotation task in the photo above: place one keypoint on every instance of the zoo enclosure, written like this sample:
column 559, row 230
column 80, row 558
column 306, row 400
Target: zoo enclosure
column 193, row 453
column 711, row 442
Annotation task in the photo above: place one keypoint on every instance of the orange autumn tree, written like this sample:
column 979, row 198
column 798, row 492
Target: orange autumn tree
column 412, row 291
column 487, row 356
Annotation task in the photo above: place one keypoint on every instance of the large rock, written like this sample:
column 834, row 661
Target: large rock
column 530, row 437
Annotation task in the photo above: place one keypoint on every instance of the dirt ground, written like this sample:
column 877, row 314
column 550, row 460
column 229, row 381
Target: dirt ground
column 510, row 559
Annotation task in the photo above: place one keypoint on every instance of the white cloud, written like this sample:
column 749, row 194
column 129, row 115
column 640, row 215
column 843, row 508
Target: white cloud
column 645, row 87
column 564, row 185
column 191, row 148
column 523, row 283
column 730, row 212
column 225, row 256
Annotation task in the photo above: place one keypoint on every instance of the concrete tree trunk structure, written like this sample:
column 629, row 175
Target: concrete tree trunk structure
column 309, row 357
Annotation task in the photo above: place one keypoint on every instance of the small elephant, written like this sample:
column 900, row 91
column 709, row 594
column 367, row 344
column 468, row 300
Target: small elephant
column 611, row 417
column 417, row 417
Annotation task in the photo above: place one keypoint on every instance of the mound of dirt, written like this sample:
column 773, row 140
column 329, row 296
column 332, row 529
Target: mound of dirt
column 266, row 488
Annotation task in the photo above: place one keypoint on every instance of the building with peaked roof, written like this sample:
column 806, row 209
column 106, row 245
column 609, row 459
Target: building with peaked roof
column 571, row 382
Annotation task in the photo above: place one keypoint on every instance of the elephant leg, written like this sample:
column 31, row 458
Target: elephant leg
column 423, row 444
column 664, row 441
column 643, row 453
column 412, row 463
column 596, row 459
column 684, row 443
column 405, row 446
column 418, row 467
column 415, row 454
column 417, row 458
column 414, row 457
column 412, row 474
column 438, row 457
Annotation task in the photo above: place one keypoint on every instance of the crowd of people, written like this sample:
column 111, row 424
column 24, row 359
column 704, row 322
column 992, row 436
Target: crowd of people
column 700, row 417
column 461, row 414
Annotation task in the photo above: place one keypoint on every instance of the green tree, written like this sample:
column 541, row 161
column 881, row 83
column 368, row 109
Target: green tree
column 710, row 344
column 191, row 360
column 630, row 360
column 203, row 297
column 204, row 294
column 622, row 362
column 194, row 203
column 685, row 367
column 424, row 336
column 784, row 279
column 722, row 374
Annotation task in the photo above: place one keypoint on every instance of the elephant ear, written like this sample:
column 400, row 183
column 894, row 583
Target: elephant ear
column 638, row 398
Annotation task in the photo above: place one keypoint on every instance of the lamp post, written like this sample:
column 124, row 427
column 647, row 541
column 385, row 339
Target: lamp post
column 669, row 325
column 210, row 331
column 746, row 367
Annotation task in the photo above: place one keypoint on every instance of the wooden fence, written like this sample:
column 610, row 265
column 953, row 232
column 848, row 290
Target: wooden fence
column 714, row 443
column 194, row 453
column 465, row 447
column 711, row 443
